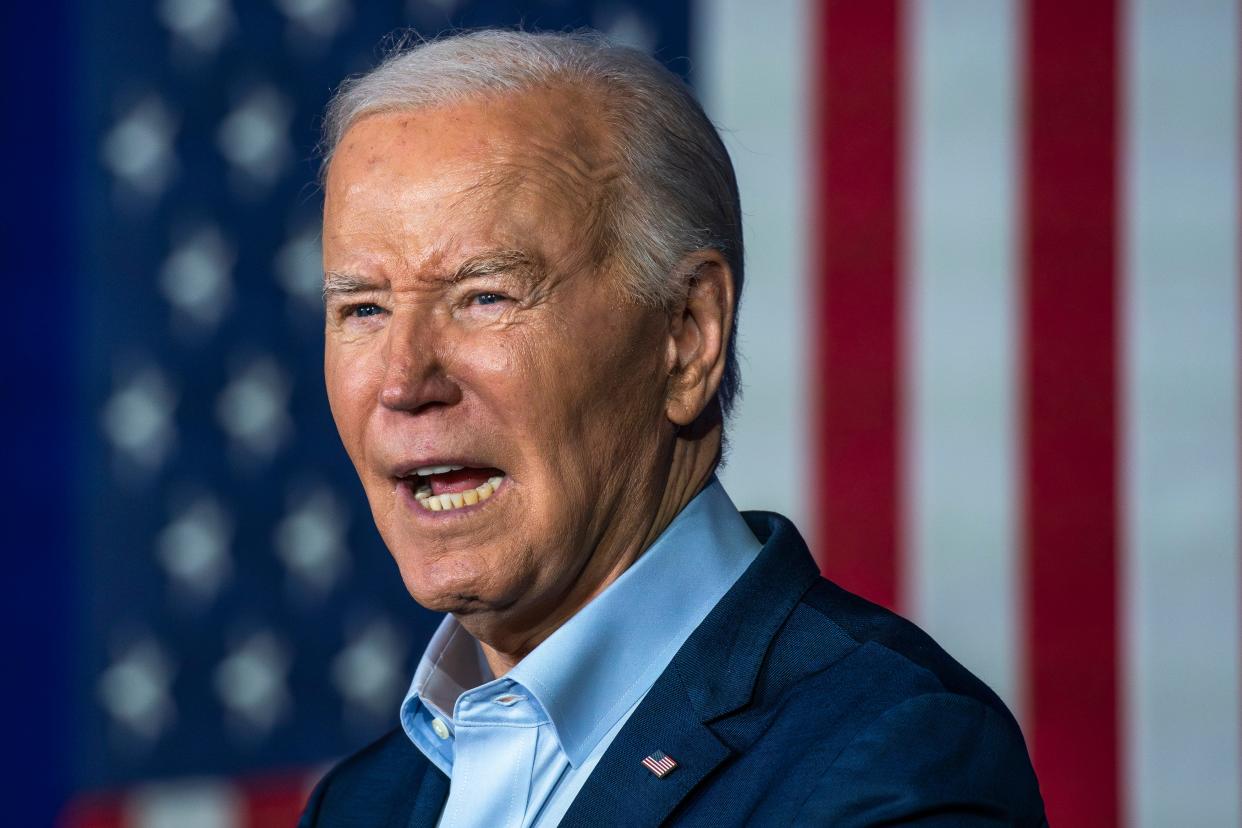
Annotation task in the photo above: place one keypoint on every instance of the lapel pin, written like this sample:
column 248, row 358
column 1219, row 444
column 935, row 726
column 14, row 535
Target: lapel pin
column 660, row 764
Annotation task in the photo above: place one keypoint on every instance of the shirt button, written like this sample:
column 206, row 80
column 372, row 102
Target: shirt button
column 440, row 728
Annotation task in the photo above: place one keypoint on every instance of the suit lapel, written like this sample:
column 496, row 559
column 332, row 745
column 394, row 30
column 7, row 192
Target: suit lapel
column 621, row 791
column 423, row 800
column 711, row 677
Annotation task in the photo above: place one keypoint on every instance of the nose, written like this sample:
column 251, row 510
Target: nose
column 414, row 372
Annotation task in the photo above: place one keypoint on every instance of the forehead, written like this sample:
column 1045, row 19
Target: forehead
column 543, row 148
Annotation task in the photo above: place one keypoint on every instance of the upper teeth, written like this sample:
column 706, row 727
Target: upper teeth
column 426, row 471
column 447, row 501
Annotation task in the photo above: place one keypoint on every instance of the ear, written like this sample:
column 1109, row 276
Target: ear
column 699, row 330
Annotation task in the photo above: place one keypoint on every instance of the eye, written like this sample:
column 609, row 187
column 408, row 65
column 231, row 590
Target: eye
column 488, row 298
column 365, row 310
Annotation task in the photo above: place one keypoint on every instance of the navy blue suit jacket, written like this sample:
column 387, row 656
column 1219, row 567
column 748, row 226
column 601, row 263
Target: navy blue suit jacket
column 794, row 703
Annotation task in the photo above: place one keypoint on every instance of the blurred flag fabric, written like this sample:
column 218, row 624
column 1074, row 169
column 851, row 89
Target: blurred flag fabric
column 990, row 343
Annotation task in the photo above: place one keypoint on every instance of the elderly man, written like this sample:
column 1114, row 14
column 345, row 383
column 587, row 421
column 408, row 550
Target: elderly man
column 533, row 255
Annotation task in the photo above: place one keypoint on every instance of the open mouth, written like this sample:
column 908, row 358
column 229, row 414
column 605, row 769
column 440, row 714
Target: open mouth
column 445, row 488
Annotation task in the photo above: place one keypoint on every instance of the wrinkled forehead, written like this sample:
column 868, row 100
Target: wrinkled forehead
column 547, row 148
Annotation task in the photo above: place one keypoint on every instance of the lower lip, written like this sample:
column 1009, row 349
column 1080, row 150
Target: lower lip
column 411, row 502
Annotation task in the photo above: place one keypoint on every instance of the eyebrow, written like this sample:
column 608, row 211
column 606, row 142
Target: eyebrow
column 336, row 283
column 490, row 263
column 493, row 262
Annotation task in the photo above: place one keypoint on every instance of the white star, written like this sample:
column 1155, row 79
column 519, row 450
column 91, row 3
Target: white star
column 299, row 269
column 134, row 690
column 321, row 18
column 254, row 136
column 193, row 548
column 195, row 276
column 138, row 148
column 252, row 409
column 368, row 672
column 202, row 23
column 251, row 683
column 626, row 25
column 137, row 418
column 310, row 540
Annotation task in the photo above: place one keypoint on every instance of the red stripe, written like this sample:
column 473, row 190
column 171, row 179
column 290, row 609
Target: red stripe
column 92, row 811
column 857, row 375
column 267, row 800
column 275, row 800
column 1071, row 421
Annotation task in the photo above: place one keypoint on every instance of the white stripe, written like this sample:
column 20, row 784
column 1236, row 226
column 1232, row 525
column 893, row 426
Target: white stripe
column 188, row 803
column 1180, row 469
column 960, row 196
column 751, row 62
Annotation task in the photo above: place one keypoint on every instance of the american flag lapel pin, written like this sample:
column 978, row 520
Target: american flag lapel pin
column 660, row 763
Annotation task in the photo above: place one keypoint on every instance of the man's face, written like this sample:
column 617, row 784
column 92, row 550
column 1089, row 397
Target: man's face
column 471, row 322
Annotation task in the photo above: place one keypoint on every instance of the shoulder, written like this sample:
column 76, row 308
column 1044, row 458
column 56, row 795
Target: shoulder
column 364, row 788
column 855, row 716
column 841, row 658
column 910, row 661
column 936, row 758
column 912, row 730
column 820, row 627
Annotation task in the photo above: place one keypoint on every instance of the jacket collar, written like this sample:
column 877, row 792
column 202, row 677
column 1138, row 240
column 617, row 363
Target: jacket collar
column 711, row 677
column 720, row 661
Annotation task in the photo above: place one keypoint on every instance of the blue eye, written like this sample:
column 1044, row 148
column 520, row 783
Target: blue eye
column 489, row 298
column 366, row 310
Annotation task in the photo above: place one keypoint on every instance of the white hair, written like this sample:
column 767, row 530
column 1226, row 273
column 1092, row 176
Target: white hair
column 676, row 192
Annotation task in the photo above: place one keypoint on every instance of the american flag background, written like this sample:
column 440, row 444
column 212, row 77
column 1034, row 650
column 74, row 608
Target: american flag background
column 990, row 343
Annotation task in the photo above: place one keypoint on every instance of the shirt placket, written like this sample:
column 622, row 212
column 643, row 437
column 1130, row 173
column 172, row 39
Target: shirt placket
column 495, row 735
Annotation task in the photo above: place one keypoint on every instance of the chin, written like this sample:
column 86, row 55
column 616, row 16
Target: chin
column 446, row 581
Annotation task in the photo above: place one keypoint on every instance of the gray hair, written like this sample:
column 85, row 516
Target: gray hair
column 678, row 193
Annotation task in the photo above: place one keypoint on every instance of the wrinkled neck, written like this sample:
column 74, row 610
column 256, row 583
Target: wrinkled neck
column 694, row 457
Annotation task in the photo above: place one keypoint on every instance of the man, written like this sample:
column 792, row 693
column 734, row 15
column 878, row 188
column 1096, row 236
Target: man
column 532, row 255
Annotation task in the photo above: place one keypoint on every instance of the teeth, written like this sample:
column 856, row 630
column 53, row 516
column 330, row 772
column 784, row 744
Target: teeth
column 455, row 500
column 427, row 471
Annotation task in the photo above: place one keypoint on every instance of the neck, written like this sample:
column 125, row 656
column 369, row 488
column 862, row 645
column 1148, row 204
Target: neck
column 694, row 458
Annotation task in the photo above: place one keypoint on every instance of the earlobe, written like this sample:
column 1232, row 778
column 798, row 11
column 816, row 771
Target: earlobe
column 698, row 332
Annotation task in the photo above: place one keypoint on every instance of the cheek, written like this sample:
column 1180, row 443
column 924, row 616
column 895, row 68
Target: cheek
column 504, row 368
column 351, row 378
column 620, row 379
column 588, row 401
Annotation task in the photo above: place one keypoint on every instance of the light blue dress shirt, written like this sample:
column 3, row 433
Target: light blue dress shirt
column 519, row 748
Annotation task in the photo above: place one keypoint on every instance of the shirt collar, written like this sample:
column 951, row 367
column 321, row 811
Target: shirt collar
column 452, row 664
column 600, row 662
